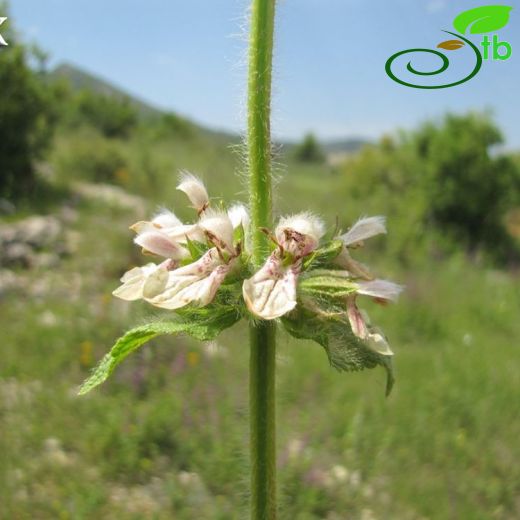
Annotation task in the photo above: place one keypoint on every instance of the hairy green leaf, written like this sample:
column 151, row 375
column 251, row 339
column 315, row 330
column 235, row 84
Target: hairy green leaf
column 203, row 324
column 345, row 351
column 484, row 19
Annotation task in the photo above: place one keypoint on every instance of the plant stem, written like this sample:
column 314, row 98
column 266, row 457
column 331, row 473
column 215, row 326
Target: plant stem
column 263, row 334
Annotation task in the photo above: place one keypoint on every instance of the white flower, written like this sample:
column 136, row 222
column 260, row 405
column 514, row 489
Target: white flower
column 271, row 292
column 195, row 283
column 380, row 289
column 364, row 228
column 159, row 243
column 238, row 214
column 194, row 188
column 299, row 234
column 217, row 225
column 146, row 281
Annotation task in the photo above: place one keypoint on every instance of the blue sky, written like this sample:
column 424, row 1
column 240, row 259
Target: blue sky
column 329, row 67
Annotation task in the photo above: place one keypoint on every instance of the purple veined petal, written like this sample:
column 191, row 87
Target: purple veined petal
column 195, row 283
column 356, row 319
column 271, row 292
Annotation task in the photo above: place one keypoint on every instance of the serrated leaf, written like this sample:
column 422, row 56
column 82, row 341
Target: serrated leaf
column 204, row 326
column 344, row 350
column 484, row 19
column 451, row 45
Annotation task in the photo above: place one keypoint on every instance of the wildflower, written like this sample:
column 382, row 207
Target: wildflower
column 313, row 286
column 175, row 284
column 271, row 292
column 193, row 187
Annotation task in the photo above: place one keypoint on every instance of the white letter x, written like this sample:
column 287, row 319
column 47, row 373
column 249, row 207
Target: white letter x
column 2, row 41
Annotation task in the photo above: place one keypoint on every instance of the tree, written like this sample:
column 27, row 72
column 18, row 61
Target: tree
column 26, row 113
column 309, row 150
column 113, row 117
column 470, row 185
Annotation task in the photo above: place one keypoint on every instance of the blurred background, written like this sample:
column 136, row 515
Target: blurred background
column 100, row 105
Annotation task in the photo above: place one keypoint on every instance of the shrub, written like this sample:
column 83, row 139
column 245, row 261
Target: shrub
column 27, row 116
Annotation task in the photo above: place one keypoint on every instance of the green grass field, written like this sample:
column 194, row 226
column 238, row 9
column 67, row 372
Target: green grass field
column 167, row 436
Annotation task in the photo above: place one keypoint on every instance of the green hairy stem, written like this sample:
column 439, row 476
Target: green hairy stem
column 262, row 335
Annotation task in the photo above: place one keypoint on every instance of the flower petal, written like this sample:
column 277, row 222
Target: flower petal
column 377, row 342
column 137, row 282
column 195, row 283
column 364, row 228
column 382, row 289
column 184, row 232
column 160, row 244
column 356, row 319
column 218, row 224
column 166, row 219
column 194, row 188
column 238, row 214
column 271, row 292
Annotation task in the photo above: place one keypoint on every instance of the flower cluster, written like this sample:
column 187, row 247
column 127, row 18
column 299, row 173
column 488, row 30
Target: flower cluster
column 310, row 280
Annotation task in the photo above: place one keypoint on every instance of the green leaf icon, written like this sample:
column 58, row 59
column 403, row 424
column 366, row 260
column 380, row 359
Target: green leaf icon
column 484, row 19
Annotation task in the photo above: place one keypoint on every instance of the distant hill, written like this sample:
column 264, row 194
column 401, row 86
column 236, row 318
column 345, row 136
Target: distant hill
column 80, row 79
column 348, row 145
